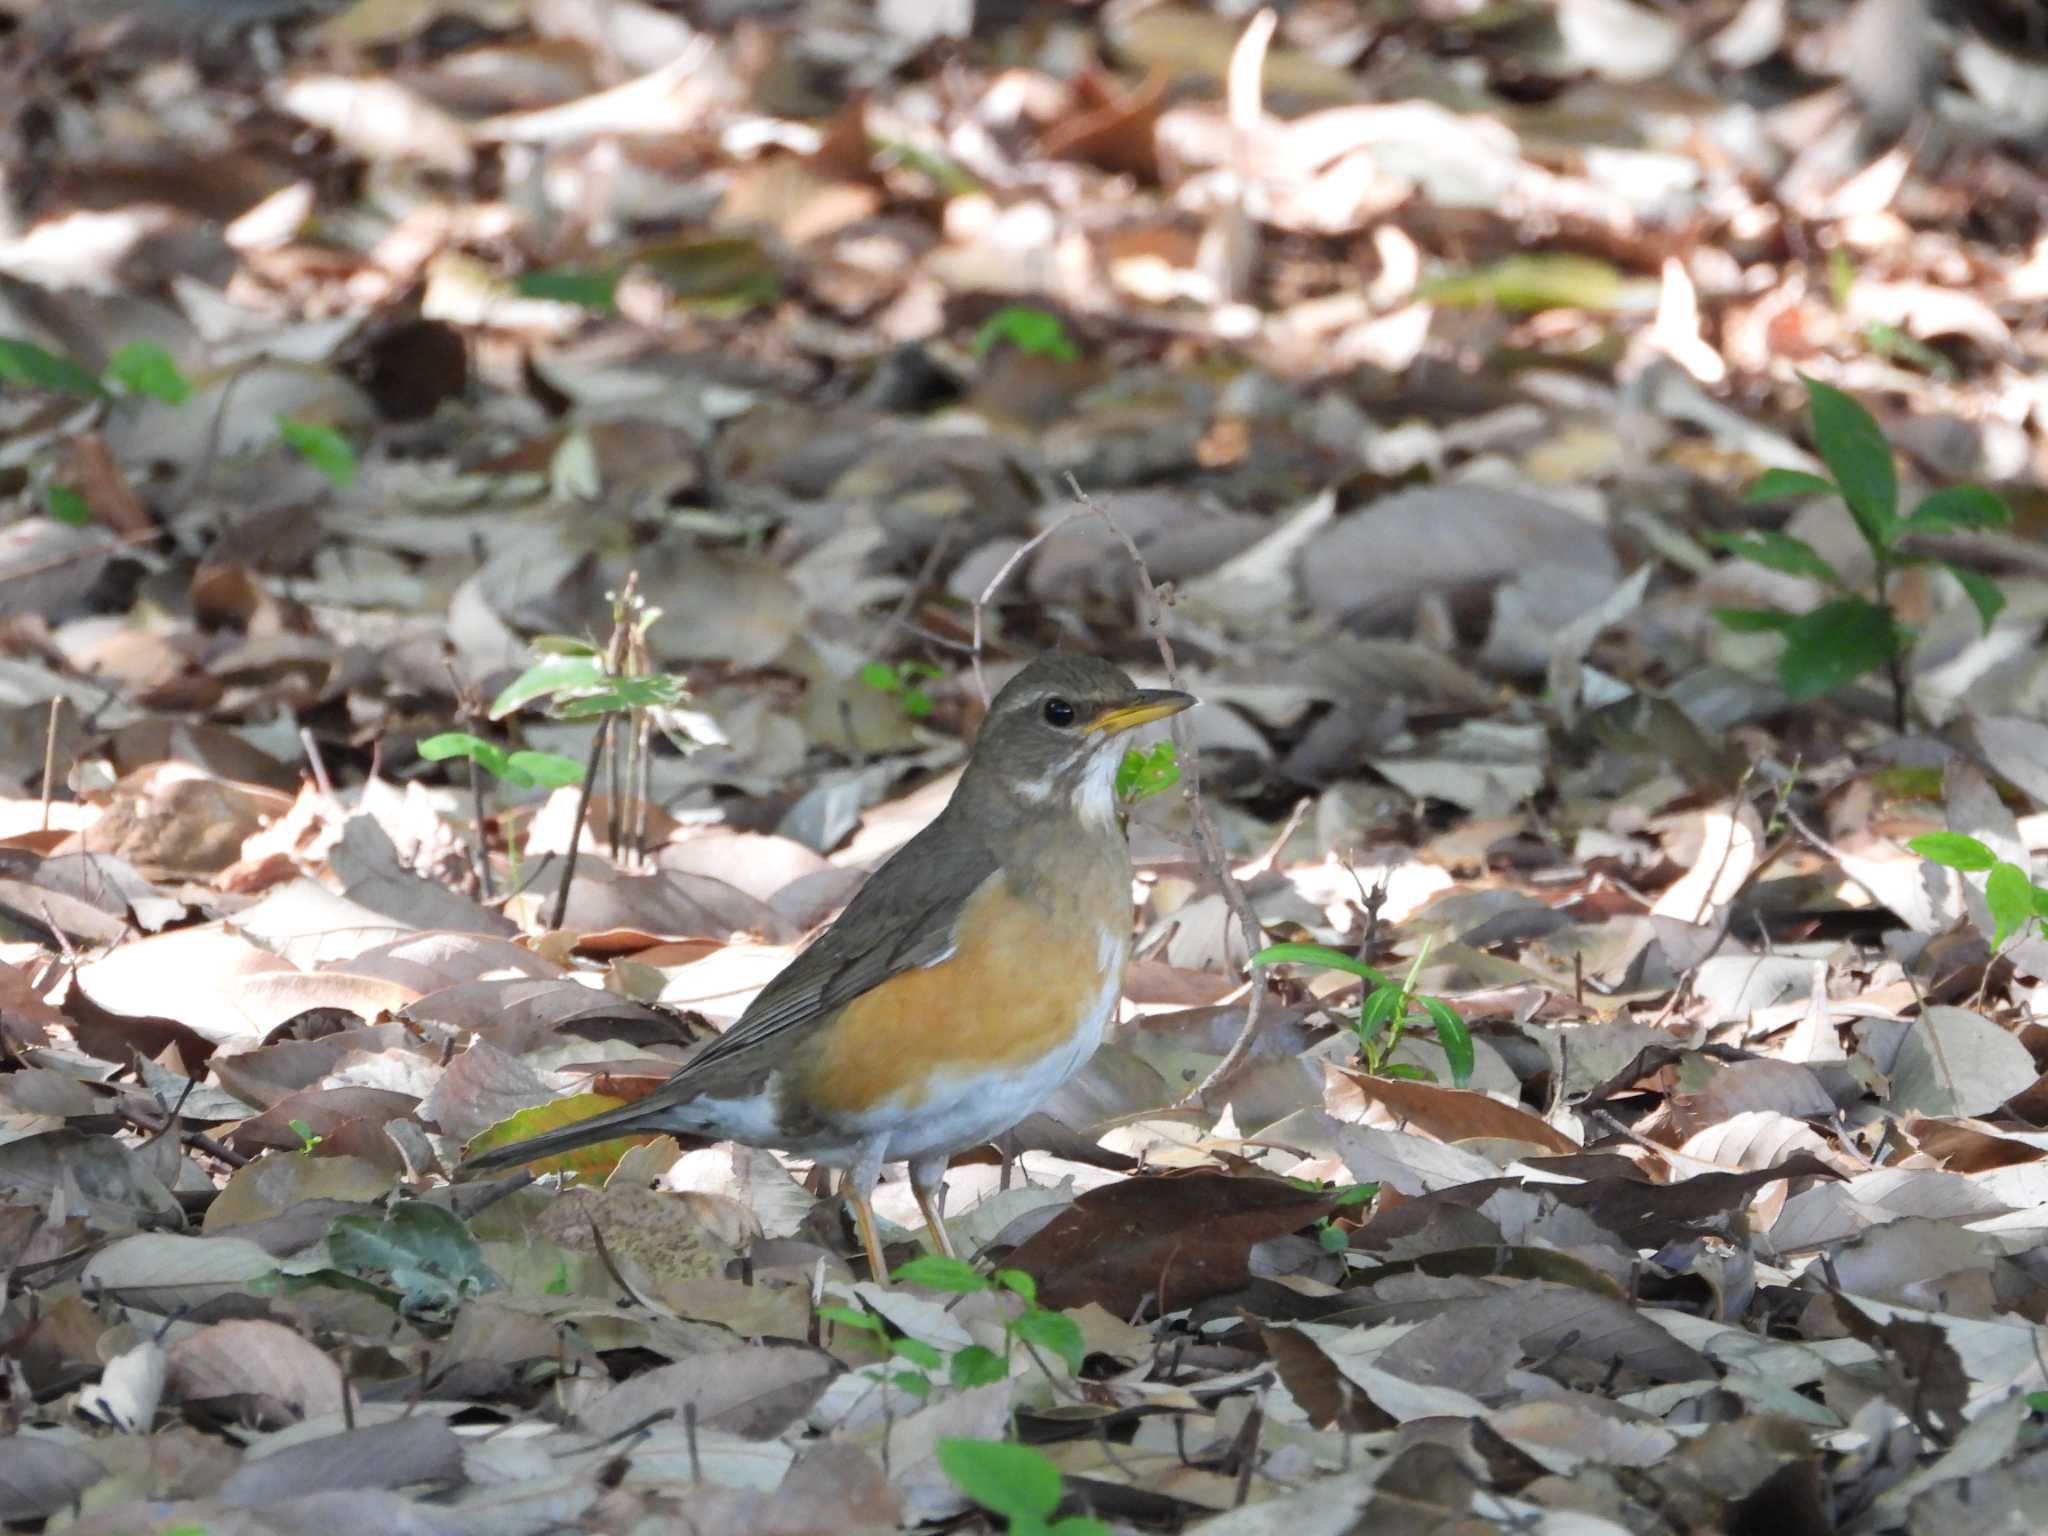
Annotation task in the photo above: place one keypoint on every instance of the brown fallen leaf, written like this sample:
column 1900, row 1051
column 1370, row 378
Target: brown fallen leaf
column 1449, row 1114
column 1170, row 1241
column 259, row 1363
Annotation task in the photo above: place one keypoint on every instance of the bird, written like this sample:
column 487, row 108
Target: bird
column 971, row 975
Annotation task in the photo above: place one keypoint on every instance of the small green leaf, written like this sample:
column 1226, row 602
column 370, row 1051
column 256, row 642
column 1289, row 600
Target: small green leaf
column 1409, row 1072
column 916, row 703
column 1783, row 484
column 146, row 368
column 655, row 690
column 1332, row 1238
column 1011, row 1480
column 1859, row 458
column 2040, row 899
column 1148, row 771
column 911, row 1382
column 1957, row 850
column 880, row 675
column 975, row 1366
column 1530, row 282
column 592, row 290
column 1889, row 341
column 1959, row 507
column 1780, row 552
column 1054, row 1331
column 26, row 364
column 487, row 755
column 1379, row 1011
column 322, row 447
column 1984, row 593
column 542, row 770
column 1322, row 955
column 1034, row 332
column 2038, row 1402
column 1755, row 621
column 552, row 674
column 851, row 1317
column 65, row 505
column 526, row 770
column 916, row 1351
column 1835, row 644
column 1455, row 1037
column 2010, row 896
column 1356, row 1194
column 1019, row 1283
column 936, row 1272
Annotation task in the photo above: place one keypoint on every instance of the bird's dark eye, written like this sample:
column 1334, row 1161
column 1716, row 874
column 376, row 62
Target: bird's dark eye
column 1058, row 712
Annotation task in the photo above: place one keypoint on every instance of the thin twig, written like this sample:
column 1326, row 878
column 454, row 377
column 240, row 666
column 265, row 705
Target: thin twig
column 1271, row 856
column 465, row 705
column 1208, row 844
column 597, row 741
column 50, row 757
column 315, row 762
column 1003, row 574
column 109, row 542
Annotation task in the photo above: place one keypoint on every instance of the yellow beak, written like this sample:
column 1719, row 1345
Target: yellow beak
column 1150, row 704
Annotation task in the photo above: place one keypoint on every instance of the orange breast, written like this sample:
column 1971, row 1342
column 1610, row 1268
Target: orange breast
column 1019, row 983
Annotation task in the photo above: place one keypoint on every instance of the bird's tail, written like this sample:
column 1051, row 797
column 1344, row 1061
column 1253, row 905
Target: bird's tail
column 626, row 1120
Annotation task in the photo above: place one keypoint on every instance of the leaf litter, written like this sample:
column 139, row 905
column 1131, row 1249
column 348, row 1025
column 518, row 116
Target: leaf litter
column 1662, row 1146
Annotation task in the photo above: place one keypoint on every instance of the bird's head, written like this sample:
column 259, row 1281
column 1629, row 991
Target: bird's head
column 1055, row 731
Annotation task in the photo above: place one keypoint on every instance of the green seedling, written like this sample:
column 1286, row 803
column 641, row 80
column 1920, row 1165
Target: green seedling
column 1015, row 1481
column 522, row 770
column 1886, row 340
column 307, row 1140
column 1034, row 332
column 1388, row 1012
column 145, row 370
column 1035, row 1327
column 1856, row 632
column 140, row 370
column 1332, row 1237
column 901, row 680
column 575, row 679
column 2015, row 902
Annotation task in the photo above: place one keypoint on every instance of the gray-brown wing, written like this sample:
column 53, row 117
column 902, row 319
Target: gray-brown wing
column 901, row 919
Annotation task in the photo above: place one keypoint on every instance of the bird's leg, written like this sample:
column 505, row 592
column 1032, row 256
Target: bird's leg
column 857, row 1185
column 928, row 1183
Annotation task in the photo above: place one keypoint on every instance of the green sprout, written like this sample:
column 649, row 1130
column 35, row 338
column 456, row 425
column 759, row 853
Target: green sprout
column 1856, row 632
column 1388, row 1012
